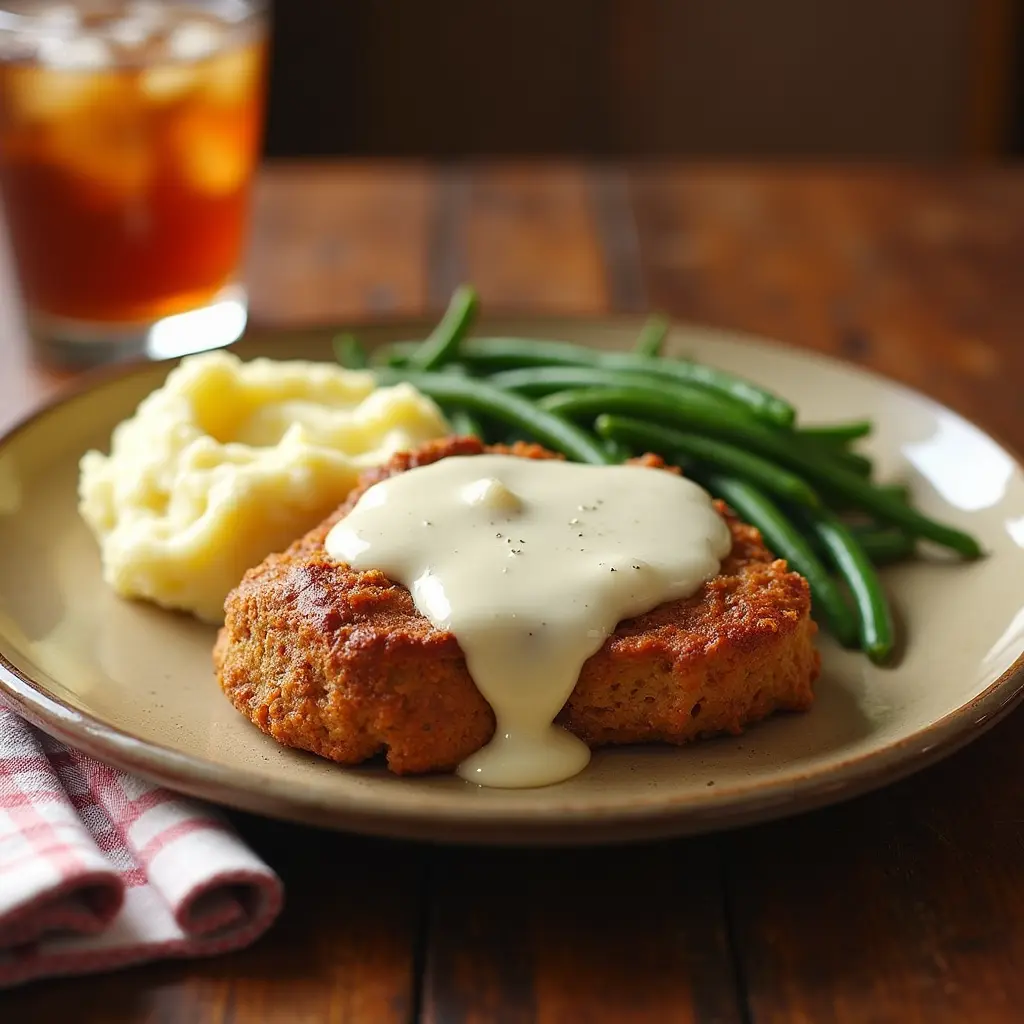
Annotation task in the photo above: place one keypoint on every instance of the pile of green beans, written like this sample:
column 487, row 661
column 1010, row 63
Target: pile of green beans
column 804, row 487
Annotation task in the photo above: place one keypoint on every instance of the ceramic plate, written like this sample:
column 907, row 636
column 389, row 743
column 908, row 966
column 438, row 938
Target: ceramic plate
column 133, row 685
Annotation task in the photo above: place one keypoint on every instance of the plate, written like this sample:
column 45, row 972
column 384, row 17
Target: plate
column 133, row 685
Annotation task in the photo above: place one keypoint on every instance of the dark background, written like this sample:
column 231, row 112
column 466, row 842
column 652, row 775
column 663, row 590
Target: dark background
column 891, row 79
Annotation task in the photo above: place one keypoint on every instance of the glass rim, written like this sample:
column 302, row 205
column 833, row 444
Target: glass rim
column 30, row 15
column 27, row 38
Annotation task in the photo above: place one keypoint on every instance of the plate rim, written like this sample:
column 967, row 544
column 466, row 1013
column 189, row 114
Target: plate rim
column 647, row 817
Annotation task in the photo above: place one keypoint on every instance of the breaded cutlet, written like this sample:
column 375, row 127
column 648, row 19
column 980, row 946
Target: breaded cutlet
column 341, row 663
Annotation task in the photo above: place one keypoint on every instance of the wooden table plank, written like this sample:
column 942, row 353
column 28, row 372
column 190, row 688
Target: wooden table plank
column 907, row 905
column 328, row 245
column 630, row 936
column 528, row 238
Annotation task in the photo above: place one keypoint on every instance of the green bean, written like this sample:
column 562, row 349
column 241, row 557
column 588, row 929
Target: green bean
column 901, row 491
column 875, row 627
column 496, row 354
column 394, row 355
column 786, row 542
column 761, row 404
column 617, row 451
column 836, row 433
column 480, row 397
column 513, row 353
column 349, row 352
column 720, row 454
column 543, row 380
column 836, row 502
column 855, row 462
column 883, row 546
column 444, row 340
column 644, row 402
column 464, row 423
column 652, row 336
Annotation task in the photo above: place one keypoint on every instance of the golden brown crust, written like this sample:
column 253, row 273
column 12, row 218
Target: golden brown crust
column 341, row 663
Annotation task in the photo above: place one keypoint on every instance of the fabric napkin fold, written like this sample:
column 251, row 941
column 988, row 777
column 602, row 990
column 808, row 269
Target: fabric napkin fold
column 99, row 869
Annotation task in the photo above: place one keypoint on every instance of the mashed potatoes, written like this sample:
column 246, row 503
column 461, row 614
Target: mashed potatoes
column 229, row 461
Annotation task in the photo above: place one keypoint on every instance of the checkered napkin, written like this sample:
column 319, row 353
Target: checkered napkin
column 99, row 869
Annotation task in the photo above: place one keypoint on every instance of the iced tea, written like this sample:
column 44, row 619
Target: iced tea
column 128, row 136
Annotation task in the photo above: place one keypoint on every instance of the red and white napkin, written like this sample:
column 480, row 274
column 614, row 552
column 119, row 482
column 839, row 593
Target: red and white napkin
column 99, row 869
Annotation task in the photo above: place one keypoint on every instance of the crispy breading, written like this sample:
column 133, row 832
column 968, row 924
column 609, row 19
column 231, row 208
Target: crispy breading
column 341, row 663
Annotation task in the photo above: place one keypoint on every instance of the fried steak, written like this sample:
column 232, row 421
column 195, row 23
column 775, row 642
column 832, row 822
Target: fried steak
column 341, row 663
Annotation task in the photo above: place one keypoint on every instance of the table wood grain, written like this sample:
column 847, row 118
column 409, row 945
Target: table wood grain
column 903, row 906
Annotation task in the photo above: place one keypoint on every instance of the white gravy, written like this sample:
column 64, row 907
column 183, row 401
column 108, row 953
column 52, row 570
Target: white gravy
column 531, row 564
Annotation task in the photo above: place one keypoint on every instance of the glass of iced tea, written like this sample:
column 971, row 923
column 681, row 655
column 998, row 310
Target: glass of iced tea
column 129, row 130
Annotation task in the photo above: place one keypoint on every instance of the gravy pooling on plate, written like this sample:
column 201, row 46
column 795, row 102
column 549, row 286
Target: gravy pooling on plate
column 531, row 564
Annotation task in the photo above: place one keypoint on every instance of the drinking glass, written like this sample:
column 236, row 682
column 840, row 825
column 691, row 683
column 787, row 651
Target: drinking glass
column 129, row 131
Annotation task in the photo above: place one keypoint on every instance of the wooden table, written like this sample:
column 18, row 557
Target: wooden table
column 903, row 906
